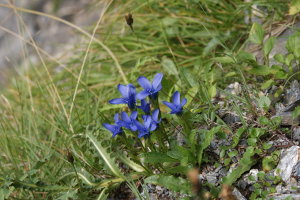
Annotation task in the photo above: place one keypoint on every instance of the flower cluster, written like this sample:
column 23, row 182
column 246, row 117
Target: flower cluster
column 150, row 119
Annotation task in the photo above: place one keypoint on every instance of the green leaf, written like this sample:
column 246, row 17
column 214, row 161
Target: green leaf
column 192, row 92
column 189, row 77
column 136, row 167
column 293, row 43
column 237, row 136
column 296, row 112
column 169, row 66
column 289, row 58
column 244, row 56
column 279, row 58
column 232, row 153
column 156, row 157
column 294, row 7
column 267, row 84
column 105, row 156
column 68, row 195
column 268, row 45
column 224, row 60
column 209, row 136
column 245, row 164
column 176, row 184
column 261, row 70
column 252, row 141
column 264, row 102
column 256, row 34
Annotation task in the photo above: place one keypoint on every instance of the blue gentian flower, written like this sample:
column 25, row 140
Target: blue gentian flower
column 129, row 122
column 116, row 128
column 128, row 96
column 145, row 106
column 155, row 115
column 145, row 128
column 150, row 90
column 176, row 106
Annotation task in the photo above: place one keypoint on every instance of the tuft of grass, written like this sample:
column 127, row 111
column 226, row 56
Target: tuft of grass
column 45, row 110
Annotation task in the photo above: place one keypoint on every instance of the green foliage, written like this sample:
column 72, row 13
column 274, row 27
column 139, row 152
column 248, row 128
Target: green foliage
column 245, row 164
column 156, row 157
column 268, row 45
column 206, row 140
column 105, row 156
column 198, row 45
column 176, row 184
column 257, row 33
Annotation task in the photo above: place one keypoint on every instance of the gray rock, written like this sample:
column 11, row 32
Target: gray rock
column 288, row 160
column 296, row 134
column 296, row 171
column 292, row 94
column 50, row 35
column 238, row 195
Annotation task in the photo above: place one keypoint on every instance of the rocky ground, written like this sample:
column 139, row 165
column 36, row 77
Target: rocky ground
column 52, row 36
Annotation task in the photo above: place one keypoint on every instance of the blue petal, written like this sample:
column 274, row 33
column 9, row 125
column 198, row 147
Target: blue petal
column 170, row 105
column 134, row 115
column 153, row 126
column 116, row 118
column 117, row 132
column 139, row 126
column 124, row 124
column 133, row 127
column 144, row 82
column 125, row 117
column 118, row 101
column 109, row 127
column 143, row 134
column 131, row 90
column 183, row 102
column 142, row 95
column 158, row 88
column 147, row 121
column 123, row 90
column 176, row 98
column 144, row 102
column 155, row 114
column 157, row 80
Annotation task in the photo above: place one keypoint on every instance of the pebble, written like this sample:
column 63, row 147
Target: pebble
column 238, row 195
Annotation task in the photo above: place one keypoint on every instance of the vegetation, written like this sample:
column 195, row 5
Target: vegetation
column 52, row 139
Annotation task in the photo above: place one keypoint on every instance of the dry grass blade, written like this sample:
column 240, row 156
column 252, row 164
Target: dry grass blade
column 112, row 55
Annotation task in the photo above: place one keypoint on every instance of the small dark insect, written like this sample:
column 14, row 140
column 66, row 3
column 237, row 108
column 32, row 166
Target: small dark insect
column 129, row 20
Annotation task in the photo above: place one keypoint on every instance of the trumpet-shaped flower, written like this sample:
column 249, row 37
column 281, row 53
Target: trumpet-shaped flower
column 154, row 116
column 177, row 105
column 128, row 96
column 116, row 128
column 150, row 90
column 145, row 106
column 129, row 122
column 145, row 128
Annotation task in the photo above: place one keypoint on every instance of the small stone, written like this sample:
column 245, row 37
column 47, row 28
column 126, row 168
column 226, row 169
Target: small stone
column 230, row 118
column 288, row 160
column 253, row 174
column 292, row 94
column 212, row 178
column 234, row 88
column 296, row 133
column 238, row 195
